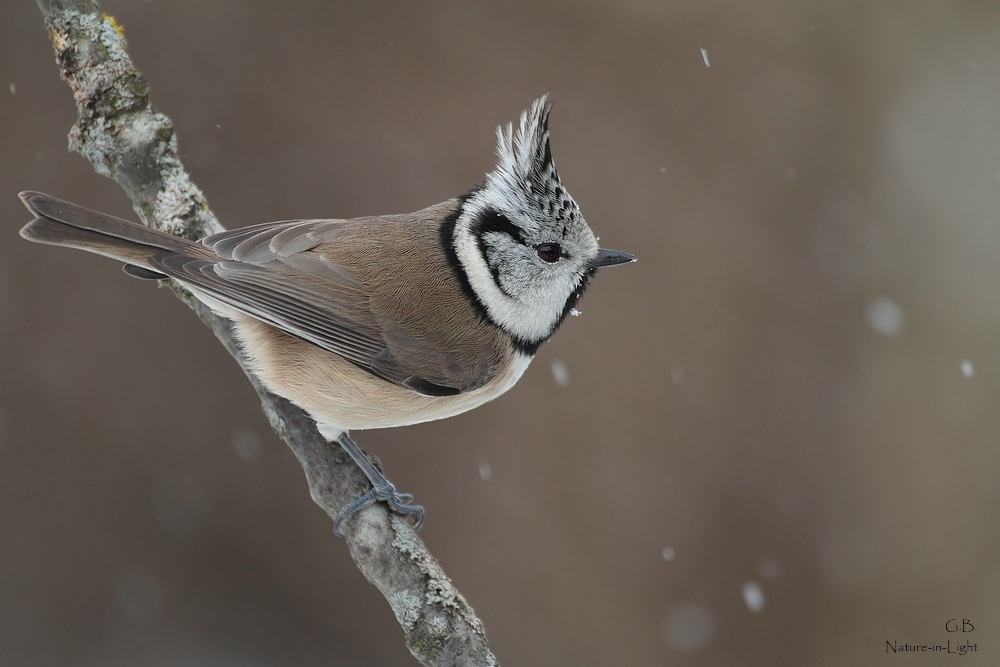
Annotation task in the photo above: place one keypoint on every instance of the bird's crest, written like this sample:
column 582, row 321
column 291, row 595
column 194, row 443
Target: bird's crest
column 525, row 169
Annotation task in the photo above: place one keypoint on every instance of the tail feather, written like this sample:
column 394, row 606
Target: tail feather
column 44, row 230
column 65, row 224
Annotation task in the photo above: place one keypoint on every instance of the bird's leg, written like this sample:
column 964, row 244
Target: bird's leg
column 382, row 489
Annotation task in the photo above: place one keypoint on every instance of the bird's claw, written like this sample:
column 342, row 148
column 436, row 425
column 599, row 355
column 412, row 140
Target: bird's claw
column 397, row 502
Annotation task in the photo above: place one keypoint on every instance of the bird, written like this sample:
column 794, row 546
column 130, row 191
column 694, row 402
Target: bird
column 380, row 321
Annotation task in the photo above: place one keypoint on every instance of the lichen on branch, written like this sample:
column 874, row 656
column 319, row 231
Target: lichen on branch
column 116, row 128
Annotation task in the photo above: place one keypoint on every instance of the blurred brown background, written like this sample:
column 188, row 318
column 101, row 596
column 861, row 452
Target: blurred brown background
column 773, row 441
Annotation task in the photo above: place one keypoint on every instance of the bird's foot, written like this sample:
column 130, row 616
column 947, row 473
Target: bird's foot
column 386, row 492
column 382, row 491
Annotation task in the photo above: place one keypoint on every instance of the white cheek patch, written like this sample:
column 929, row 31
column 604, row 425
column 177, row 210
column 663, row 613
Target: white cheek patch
column 531, row 320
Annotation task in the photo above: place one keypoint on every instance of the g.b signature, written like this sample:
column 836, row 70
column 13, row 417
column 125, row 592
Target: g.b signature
column 954, row 625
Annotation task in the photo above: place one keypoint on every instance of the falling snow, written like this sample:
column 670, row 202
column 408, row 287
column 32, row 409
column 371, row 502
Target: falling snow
column 668, row 554
column 769, row 568
column 886, row 316
column 689, row 627
column 560, row 373
column 753, row 596
column 967, row 369
column 704, row 56
column 485, row 470
column 247, row 445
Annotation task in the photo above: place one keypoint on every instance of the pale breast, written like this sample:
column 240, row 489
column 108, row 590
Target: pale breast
column 340, row 396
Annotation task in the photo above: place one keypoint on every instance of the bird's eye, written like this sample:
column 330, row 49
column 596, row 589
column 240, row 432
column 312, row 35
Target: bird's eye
column 549, row 252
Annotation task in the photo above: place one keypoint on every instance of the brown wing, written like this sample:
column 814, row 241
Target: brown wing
column 295, row 276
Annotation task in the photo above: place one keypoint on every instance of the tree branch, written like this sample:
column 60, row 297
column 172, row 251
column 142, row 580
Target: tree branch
column 127, row 140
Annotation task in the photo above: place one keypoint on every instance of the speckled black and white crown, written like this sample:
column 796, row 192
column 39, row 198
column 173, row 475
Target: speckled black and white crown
column 495, row 239
column 525, row 172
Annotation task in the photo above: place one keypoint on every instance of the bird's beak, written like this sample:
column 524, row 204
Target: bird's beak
column 610, row 258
